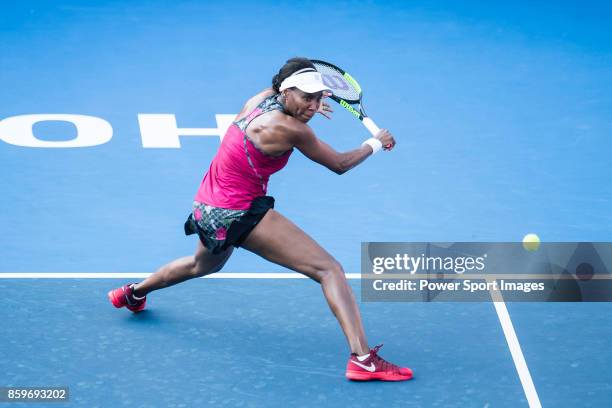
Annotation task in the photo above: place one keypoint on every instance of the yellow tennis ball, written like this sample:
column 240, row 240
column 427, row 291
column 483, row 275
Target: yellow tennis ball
column 531, row 242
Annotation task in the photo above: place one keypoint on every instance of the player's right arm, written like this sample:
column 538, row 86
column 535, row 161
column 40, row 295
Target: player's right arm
column 304, row 139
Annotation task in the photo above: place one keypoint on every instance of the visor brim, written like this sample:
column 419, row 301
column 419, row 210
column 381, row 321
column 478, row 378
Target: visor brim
column 313, row 88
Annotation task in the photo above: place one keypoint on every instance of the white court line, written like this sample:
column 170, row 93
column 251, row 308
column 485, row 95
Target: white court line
column 515, row 349
column 106, row 275
column 500, row 307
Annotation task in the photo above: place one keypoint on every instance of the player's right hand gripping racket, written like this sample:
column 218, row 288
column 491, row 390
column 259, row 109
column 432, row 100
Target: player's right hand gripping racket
column 347, row 91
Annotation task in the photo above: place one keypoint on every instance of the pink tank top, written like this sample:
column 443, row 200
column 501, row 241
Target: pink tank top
column 239, row 172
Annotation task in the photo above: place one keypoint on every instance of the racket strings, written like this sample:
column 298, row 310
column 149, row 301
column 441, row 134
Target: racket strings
column 335, row 80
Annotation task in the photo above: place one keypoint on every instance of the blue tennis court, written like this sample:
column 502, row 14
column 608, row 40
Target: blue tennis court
column 502, row 119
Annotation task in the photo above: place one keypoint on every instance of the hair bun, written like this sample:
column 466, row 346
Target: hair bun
column 276, row 82
column 292, row 65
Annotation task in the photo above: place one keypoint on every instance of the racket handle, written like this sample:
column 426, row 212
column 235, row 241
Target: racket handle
column 370, row 125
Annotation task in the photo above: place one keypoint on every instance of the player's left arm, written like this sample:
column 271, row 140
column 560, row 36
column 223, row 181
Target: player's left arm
column 325, row 108
column 252, row 102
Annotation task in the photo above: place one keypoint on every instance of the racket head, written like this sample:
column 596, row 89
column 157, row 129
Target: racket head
column 343, row 85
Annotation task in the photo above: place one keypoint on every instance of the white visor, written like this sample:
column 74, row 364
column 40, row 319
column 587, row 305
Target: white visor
column 307, row 80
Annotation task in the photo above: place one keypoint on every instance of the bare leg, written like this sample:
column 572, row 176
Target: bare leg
column 278, row 240
column 202, row 263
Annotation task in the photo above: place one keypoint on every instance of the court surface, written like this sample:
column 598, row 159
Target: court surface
column 502, row 117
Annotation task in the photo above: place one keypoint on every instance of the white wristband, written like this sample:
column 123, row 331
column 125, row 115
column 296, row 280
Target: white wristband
column 374, row 143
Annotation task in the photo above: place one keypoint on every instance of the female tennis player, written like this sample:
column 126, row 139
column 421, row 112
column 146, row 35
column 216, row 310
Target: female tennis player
column 231, row 208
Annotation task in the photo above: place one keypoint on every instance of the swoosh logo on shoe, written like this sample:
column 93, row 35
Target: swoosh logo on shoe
column 369, row 368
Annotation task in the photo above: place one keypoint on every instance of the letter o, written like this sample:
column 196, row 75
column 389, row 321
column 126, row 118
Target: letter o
column 91, row 130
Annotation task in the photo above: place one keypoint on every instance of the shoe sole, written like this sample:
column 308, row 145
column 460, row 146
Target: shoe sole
column 358, row 376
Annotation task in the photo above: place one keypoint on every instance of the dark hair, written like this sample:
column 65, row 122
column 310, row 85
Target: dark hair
column 292, row 65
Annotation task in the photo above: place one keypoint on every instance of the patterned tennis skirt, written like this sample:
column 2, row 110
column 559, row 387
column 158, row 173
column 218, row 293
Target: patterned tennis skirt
column 218, row 228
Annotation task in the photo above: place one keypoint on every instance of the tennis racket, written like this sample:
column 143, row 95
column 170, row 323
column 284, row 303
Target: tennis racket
column 347, row 92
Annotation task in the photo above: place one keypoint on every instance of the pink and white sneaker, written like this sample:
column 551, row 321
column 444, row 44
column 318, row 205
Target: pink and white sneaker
column 124, row 296
column 373, row 367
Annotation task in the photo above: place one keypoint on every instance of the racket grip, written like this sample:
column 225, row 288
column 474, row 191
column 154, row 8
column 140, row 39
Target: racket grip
column 370, row 125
